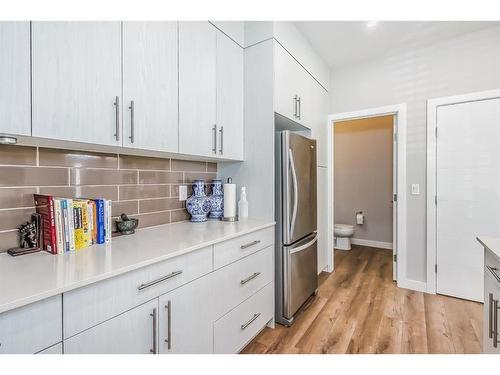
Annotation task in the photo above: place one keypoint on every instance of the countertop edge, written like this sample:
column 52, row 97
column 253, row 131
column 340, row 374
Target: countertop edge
column 484, row 241
column 57, row 291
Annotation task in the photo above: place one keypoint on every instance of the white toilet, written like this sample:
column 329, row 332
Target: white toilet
column 343, row 234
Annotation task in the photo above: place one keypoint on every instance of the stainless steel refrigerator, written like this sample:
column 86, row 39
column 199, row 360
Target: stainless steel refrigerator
column 296, row 236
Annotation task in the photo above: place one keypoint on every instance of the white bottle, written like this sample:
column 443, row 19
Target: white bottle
column 243, row 204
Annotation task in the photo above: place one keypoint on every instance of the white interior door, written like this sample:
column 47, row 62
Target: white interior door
column 468, row 193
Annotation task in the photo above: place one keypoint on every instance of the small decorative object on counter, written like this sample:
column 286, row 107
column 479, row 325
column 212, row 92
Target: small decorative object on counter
column 243, row 204
column 29, row 237
column 198, row 204
column 229, row 201
column 127, row 225
column 216, row 200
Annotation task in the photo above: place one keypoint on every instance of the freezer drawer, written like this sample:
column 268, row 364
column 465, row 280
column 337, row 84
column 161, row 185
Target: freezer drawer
column 300, row 279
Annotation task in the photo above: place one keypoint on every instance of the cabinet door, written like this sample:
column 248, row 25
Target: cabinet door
column 491, row 294
column 76, row 75
column 15, row 78
column 291, row 86
column 150, row 84
column 229, row 98
column 186, row 318
column 197, row 88
column 133, row 332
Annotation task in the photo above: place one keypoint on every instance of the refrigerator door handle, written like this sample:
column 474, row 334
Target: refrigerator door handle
column 305, row 246
column 295, row 192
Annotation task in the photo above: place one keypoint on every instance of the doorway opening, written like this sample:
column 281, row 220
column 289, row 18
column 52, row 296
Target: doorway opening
column 366, row 183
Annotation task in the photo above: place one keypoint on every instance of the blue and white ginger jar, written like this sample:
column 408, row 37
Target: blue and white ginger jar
column 216, row 200
column 198, row 204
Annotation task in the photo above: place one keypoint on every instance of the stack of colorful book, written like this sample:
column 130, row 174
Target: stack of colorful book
column 73, row 224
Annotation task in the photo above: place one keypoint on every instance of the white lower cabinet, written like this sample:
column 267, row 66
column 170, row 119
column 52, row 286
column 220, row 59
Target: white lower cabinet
column 54, row 349
column 133, row 332
column 240, row 325
column 31, row 328
column 186, row 317
column 491, row 307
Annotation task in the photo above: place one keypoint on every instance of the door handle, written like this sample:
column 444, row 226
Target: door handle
column 161, row 279
column 117, row 117
column 295, row 106
column 132, row 120
column 221, row 131
column 252, row 319
column 490, row 315
column 251, row 277
column 214, row 130
column 168, row 340
column 295, row 193
column 300, row 109
column 155, row 324
column 495, row 323
column 305, row 246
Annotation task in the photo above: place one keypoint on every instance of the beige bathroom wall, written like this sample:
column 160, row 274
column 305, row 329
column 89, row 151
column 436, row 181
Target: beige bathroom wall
column 363, row 176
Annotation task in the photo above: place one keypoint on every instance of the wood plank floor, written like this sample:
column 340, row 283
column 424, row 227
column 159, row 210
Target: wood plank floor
column 359, row 309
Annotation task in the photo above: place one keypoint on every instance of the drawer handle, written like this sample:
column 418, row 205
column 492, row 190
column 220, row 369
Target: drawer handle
column 161, row 279
column 245, row 325
column 493, row 272
column 253, row 243
column 251, row 277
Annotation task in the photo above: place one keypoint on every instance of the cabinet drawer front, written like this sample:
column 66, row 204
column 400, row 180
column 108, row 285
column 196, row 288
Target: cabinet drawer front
column 91, row 305
column 128, row 333
column 31, row 328
column 232, row 250
column 240, row 280
column 234, row 330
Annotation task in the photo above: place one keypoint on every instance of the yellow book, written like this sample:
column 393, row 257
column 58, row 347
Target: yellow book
column 81, row 224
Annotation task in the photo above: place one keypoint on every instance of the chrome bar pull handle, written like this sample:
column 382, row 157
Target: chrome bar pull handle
column 250, row 244
column 161, row 279
column 300, row 107
column 252, row 319
column 493, row 271
column 495, row 323
column 295, row 102
column 132, row 120
column 490, row 315
column 155, row 326
column 117, row 117
column 251, row 277
column 214, row 130
column 168, row 340
column 221, row 131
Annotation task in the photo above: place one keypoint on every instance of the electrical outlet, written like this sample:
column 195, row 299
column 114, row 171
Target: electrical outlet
column 415, row 189
column 183, row 192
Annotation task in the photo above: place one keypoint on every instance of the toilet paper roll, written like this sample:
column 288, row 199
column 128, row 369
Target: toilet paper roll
column 229, row 200
column 360, row 218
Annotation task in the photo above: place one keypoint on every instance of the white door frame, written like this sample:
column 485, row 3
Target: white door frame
column 432, row 107
column 399, row 111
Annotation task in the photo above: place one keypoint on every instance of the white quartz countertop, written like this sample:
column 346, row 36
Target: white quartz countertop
column 29, row 278
column 492, row 244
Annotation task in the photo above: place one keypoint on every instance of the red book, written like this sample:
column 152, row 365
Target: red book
column 45, row 206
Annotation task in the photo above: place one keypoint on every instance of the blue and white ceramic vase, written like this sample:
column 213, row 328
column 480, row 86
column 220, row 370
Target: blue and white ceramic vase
column 216, row 200
column 198, row 204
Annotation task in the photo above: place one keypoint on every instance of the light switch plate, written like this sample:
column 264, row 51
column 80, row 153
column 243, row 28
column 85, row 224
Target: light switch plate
column 183, row 192
column 415, row 189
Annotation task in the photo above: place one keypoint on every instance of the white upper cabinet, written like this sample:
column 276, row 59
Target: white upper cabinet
column 229, row 98
column 150, row 86
column 76, row 73
column 198, row 132
column 15, row 78
column 291, row 86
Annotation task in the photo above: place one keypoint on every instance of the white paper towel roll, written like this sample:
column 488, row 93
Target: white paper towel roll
column 229, row 200
column 360, row 218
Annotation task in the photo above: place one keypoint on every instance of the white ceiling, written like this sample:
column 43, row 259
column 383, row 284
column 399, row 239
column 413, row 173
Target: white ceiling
column 342, row 43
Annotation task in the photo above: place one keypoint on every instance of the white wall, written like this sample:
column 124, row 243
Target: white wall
column 467, row 63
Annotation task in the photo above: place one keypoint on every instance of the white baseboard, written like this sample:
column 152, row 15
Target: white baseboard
column 379, row 244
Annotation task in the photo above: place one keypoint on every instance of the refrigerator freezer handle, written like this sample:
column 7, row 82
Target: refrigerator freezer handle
column 305, row 246
column 295, row 192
